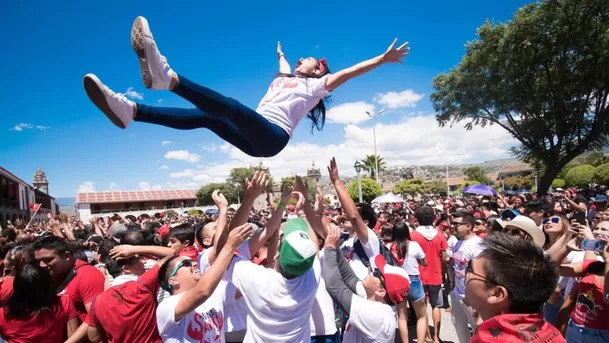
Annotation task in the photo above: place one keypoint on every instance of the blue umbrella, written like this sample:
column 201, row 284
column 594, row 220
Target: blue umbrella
column 480, row 190
column 212, row 211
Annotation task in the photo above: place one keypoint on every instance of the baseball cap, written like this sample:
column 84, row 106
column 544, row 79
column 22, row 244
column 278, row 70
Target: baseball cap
column 600, row 198
column 397, row 282
column 297, row 252
column 527, row 225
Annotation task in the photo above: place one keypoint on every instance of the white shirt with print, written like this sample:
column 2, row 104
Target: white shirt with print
column 289, row 99
column 413, row 255
column 279, row 310
column 204, row 324
column 322, row 314
column 371, row 248
column 370, row 321
column 462, row 254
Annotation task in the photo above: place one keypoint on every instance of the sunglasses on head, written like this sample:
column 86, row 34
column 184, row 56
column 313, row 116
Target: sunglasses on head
column 554, row 220
column 183, row 263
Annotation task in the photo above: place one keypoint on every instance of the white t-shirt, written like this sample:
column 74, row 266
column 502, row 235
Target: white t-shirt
column 371, row 248
column 414, row 253
column 451, row 241
column 289, row 99
column 370, row 321
column 462, row 254
column 279, row 310
column 204, row 324
column 322, row 314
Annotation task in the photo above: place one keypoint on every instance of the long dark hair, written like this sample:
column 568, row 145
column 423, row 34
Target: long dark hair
column 318, row 114
column 33, row 292
column 401, row 236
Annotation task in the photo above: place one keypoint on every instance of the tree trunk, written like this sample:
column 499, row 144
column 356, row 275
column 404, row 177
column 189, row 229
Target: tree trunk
column 546, row 179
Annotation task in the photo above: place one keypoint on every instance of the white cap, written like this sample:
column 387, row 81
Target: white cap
column 527, row 225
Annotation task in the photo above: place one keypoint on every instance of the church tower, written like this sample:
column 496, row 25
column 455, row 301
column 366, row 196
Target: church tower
column 41, row 182
column 314, row 173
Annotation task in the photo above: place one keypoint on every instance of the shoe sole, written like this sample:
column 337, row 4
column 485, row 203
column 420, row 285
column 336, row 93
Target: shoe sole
column 139, row 31
column 94, row 90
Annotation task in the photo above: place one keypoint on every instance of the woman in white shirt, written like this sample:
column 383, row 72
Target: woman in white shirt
column 261, row 133
column 408, row 255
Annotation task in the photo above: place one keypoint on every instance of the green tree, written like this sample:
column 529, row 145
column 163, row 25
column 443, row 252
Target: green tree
column 289, row 180
column 370, row 189
column 477, row 173
column 237, row 177
column 170, row 213
column 193, row 212
column 436, row 187
column 542, row 77
column 228, row 189
column 410, row 186
column 601, row 174
column 519, row 182
column 596, row 158
column 558, row 183
column 580, row 176
column 369, row 165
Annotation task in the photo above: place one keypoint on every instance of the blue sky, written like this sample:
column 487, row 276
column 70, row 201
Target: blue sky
column 49, row 123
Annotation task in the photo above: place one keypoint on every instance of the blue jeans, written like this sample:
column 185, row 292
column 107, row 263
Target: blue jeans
column 326, row 339
column 416, row 292
column 232, row 121
column 550, row 312
column 578, row 334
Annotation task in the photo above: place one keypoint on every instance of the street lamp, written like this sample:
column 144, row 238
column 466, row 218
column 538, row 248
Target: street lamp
column 376, row 159
column 358, row 169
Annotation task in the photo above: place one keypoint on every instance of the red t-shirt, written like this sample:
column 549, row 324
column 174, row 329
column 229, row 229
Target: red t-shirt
column 6, row 289
column 432, row 274
column 513, row 328
column 590, row 309
column 45, row 327
column 127, row 312
column 87, row 283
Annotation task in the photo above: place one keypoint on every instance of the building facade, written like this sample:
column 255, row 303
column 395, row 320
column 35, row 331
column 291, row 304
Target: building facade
column 16, row 195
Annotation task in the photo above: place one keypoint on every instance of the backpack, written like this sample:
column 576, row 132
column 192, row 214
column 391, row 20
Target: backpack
column 359, row 250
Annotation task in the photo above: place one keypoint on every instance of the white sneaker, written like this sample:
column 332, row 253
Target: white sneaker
column 156, row 72
column 115, row 106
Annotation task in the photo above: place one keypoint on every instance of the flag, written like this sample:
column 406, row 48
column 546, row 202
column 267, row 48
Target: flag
column 34, row 207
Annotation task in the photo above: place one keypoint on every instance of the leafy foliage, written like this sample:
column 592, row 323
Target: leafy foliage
column 542, row 77
column 477, row 173
column 436, row 187
column 410, row 186
column 288, row 181
column 193, row 212
column 238, row 176
column 519, row 182
column 170, row 213
column 580, row 176
column 601, row 174
column 370, row 189
column 228, row 189
column 558, row 183
column 369, row 165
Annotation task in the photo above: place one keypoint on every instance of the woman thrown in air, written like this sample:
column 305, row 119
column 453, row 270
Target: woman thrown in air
column 260, row 133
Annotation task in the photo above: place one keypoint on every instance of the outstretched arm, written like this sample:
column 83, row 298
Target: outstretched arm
column 284, row 66
column 392, row 55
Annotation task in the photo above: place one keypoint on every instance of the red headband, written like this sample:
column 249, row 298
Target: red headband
column 322, row 65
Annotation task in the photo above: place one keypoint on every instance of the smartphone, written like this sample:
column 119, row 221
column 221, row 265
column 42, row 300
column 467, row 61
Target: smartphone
column 580, row 217
column 593, row 245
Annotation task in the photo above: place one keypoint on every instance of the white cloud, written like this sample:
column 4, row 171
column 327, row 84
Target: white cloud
column 164, row 167
column 163, row 143
column 42, row 128
column 349, row 113
column 113, row 186
column 143, row 186
column 412, row 140
column 407, row 98
column 183, row 155
column 21, row 126
column 157, row 187
column 210, row 147
column 131, row 93
column 87, row 186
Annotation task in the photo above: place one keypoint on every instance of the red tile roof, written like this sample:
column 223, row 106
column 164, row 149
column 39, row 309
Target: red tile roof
column 134, row 196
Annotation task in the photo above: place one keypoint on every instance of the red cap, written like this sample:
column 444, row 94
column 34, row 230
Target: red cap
column 397, row 282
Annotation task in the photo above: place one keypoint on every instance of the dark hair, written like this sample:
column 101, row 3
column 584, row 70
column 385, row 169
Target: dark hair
column 522, row 268
column 133, row 237
column 467, row 218
column 33, row 292
column 317, row 115
column 10, row 235
column 183, row 232
column 425, row 215
column 401, row 236
column 57, row 244
column 163, row 275
column 494, row 224
column 104, row 248
column 199, row 231
column 366, row 213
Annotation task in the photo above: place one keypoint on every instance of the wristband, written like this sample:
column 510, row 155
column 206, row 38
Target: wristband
column 280, row 55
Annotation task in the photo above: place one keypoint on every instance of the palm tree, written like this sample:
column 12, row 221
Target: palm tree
column 369, row 164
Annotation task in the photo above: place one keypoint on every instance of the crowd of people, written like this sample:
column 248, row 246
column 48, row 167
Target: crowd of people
column 509, row 269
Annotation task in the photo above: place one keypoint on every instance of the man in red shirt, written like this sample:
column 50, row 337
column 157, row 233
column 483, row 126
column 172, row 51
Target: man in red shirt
column 507, row 284
column 79, row 280
column 434, row 246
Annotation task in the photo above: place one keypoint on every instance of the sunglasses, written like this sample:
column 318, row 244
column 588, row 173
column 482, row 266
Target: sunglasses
column 377, row 274
column 514, row 231
column 183, row 263
column 554, row 220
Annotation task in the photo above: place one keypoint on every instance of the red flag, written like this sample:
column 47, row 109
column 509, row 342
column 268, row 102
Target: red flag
column 34, row 207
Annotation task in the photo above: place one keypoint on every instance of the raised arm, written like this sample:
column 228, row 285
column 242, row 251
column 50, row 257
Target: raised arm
column 392, row 55
column 284, row 66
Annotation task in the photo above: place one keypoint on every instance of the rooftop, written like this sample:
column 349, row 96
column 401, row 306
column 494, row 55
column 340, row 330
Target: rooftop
column 17, row 179
column 516, row 168
column 134, row 196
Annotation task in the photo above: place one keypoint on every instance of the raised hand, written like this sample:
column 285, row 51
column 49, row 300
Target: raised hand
column 300, row 186
column 219, row 199
column 300, row 200
column 121, row 252
column 239, row 235
column 393, row 55
column 279, row 50
column 333, row 237
column 286, row 195
column 255, row 186
column 333, row 171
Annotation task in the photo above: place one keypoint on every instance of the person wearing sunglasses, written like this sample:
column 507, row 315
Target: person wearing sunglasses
column 524, row 228
column 507, row 285
column 371, row 319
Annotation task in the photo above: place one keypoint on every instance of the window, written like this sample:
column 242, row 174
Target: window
column 96, row 208
column 169, row 204
column 142, row 206
column 128, row 205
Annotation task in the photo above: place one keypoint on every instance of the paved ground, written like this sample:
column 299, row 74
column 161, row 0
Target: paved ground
column 447, row 331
